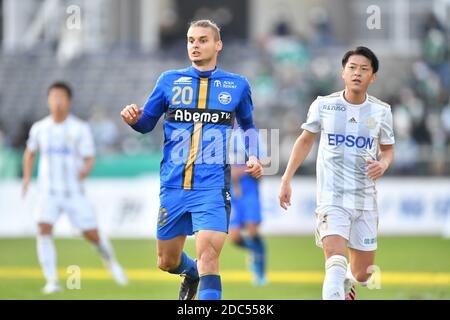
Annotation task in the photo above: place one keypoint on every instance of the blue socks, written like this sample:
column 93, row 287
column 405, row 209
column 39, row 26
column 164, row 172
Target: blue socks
column 210, row 287
column 257, row 248
column 210, row 284
column 187, row 266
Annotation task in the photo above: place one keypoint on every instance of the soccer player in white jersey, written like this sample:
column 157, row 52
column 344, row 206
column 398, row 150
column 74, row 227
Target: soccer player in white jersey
column 67, row 155
column 356, row 148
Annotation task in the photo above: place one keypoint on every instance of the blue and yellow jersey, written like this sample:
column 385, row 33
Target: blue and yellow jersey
column 200, row 108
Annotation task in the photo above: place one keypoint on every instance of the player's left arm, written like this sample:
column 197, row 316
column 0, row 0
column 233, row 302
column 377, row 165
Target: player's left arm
column 87, row 151
column 245, row 121
column 87, row 167
column 29, row 156
column 377, row 168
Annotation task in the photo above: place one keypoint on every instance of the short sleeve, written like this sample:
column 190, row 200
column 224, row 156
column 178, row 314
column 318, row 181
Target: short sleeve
column 156, row 103
column 32, row 142
column 87, row 146
column 386, row 129
column 312, row 123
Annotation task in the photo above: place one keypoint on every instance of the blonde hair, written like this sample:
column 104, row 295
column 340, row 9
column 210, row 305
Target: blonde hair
column 207, row 24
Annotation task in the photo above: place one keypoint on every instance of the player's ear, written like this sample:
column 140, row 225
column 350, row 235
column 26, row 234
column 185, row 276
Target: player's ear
column 219, row 45
column 342, row 73
column 373, row 78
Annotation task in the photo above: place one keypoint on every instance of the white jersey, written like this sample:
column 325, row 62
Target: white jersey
column 62, row 148
column 350, row 135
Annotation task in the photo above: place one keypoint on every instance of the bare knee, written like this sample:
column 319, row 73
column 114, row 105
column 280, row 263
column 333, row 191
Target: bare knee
column 169, row 253
column 334, row 245
column 361, row 263
column 167, row 263
column 235, row 236
column 92, row 236
column 45, row 229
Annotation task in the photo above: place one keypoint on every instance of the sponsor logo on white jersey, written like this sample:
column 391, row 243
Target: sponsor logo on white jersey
column 371, row 123
column 352, row 120
column 333, row 107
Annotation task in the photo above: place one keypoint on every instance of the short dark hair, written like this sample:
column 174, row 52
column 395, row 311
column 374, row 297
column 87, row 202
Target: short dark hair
column 362, row 51
column 61, row 85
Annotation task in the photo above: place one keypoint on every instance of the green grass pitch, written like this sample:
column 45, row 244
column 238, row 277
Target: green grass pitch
column 295, row 265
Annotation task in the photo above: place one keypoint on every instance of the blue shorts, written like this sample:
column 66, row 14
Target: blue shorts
column 246, row 208
column 183, row 212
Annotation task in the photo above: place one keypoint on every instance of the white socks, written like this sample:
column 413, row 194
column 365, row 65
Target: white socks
column 105, row 250
column 47, row 257
column 335, row 273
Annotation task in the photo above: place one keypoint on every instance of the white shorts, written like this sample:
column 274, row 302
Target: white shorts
column 77, row 207
column 359, row 227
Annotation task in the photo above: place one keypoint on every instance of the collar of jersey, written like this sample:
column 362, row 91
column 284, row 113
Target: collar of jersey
column 69, row 116
column 354, row 105
column 203, row 74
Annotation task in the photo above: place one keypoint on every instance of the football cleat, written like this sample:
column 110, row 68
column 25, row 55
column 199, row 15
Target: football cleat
column 118, row 273
column 350, row 292
column 52, row 287
column 188, row 288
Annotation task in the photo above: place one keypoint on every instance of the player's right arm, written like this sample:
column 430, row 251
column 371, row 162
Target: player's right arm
column 29, row 157
column 144, row 119
column 300, row 151
column 28, row 164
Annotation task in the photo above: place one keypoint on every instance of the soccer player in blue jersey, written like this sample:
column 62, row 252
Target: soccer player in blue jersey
column 200, row 104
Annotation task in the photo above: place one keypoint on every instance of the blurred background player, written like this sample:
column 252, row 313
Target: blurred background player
column 194, row 194
column 356, row 148
column 67, row 155
column 246, row 216
column 245, row 220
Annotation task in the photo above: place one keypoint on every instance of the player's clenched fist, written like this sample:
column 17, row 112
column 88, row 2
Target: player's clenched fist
column 131, row 114
column 254, row 167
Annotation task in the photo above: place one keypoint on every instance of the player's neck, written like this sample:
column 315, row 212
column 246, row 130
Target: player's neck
column 60, row 117
column 354, row 97
column 209, row 66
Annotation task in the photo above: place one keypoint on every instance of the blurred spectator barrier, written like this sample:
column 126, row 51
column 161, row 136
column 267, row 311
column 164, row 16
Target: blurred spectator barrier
column 129, row 207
